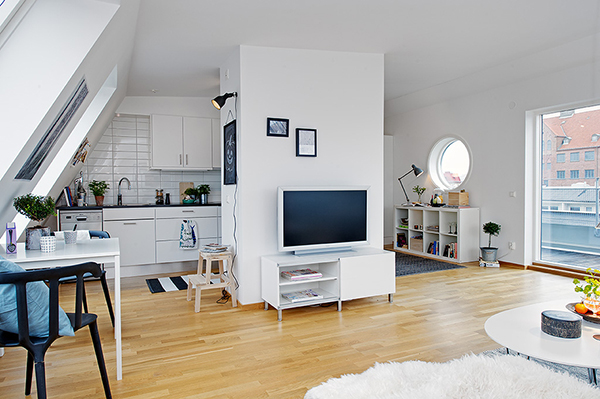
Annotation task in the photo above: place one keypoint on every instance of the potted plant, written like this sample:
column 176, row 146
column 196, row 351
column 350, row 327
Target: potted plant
column 36, row 208
column 489, row 253
column 590, row 291
column 98, row 188
column 419, row 191
column 204, row 190
column 192, row 195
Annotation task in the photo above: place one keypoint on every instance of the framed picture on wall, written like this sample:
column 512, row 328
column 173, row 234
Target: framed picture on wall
column 229, row 154
column 278, row 127
column 306, row 142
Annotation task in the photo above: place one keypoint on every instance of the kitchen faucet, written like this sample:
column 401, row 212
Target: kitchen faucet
column 119, row 196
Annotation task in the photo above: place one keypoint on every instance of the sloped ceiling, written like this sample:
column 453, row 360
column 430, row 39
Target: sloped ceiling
column 180, row 44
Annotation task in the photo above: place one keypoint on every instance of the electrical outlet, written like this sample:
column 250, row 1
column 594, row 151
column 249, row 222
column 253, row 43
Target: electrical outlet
column 512, row 245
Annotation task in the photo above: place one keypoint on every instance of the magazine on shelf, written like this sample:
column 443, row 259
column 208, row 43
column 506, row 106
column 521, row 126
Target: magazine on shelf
column 300, row 274
column 299, row 296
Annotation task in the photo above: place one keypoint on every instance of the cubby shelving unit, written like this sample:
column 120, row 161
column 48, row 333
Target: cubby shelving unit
column 438, row 232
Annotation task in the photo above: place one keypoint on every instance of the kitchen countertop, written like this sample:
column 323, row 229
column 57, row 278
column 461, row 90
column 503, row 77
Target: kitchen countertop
column 92, row 207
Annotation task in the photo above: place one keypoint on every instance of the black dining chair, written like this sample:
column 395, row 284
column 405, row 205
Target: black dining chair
column 43, row 306
column 105, row 290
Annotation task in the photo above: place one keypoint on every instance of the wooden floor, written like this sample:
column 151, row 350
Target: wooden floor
column 224, row 352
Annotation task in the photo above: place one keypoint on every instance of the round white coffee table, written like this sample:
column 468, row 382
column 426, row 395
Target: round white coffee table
column 520, row 330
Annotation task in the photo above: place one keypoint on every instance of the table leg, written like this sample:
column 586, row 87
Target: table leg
column 592, row 375
column 391, row 298
column 279, row 314
column 118, row 317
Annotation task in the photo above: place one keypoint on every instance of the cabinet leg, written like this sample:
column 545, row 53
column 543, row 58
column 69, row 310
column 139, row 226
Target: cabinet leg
column 266, row 305
column 339, row 306
column 279, row 314
column 391, row 297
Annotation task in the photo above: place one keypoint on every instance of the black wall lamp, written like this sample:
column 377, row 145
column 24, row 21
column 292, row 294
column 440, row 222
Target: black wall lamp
column 219, row 101
column 417, row 171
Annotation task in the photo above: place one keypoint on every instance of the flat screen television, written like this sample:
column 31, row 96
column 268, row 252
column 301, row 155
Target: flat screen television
column 315, row 219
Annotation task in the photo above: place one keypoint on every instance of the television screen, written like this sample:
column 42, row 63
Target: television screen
column 316, row 219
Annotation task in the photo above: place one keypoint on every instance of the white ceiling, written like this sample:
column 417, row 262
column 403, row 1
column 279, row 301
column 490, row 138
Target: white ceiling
column 180, row 44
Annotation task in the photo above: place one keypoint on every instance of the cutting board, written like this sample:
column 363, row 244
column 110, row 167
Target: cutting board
column 182, row 187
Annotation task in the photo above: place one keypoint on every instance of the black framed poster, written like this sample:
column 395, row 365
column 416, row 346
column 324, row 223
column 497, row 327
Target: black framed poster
column 306, row 142
column 229, row 154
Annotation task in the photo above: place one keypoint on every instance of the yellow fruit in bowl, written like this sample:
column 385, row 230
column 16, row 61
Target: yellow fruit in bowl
column 580, row 308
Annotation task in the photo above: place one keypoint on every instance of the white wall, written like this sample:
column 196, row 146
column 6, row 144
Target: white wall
column 493, row 124
column 340, row 95
column 200, row 107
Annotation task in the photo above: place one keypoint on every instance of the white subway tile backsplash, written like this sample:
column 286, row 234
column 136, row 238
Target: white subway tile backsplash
column 124, row 151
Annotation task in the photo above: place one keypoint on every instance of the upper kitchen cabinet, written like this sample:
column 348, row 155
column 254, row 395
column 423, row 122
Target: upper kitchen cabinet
column 181, row 142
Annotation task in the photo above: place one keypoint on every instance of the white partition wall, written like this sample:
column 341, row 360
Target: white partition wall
column 339, row 94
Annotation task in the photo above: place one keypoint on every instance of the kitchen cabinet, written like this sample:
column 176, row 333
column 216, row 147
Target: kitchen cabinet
column 135, row 229
column 181, row 143
column 168, row 230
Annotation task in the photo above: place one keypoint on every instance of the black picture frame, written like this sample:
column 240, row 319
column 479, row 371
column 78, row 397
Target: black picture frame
column 229, row 153
column 278, row 127
column 306, row 142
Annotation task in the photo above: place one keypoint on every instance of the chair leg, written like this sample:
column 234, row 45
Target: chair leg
column 85, row 306
column 40, row 380
column 100, row 358
column 29, row 374
column 107, row 297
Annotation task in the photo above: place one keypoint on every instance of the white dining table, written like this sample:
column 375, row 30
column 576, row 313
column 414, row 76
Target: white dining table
column 94, row 250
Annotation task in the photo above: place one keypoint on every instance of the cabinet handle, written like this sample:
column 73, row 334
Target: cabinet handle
column 189, row 211
column 186, row 159
column 129, row 223
column 180, row 163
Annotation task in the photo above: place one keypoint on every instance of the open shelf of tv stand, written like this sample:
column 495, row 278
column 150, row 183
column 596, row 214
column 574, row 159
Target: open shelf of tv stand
column 346, row 275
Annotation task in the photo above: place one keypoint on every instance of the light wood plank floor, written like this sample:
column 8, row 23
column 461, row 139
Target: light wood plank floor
column 224, row 352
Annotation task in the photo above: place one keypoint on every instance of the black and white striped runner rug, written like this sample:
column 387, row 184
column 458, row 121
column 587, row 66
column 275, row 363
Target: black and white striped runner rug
column 165, row 284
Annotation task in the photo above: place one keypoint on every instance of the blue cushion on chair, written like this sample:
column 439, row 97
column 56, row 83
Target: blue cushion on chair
column 38, row 301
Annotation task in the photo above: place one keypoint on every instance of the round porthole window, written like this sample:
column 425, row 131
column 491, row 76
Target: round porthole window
column 449, row 163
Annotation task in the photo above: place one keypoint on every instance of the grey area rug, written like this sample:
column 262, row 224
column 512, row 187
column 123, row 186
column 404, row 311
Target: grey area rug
column 409, row 264
column 578, row 372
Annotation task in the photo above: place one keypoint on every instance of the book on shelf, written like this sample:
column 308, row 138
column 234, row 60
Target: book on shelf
column 300, row 274
column 451, row 250
column 401, row 240
column 304, row 295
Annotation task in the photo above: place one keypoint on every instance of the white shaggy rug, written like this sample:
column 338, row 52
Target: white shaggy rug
column 472, row 376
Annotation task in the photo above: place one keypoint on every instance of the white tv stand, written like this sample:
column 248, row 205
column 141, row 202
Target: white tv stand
column 354, row 274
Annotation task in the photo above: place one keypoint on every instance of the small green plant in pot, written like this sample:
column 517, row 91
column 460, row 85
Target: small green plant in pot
column 489, row 253
column 98, row 188
column 204, row 190
column 36, row 208
column 193, row 194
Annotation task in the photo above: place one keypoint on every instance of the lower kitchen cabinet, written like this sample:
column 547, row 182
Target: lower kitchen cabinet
column 135, row 230
column 168, row 230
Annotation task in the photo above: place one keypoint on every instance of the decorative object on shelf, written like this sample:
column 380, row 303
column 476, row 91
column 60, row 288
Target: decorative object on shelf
column 417, row 171
column 230, row 153
column 204, row 190
column 219, row 101
column 306, row 142
column 81, row 153
column 98, row 188
column 278, row 127
column 489, row 253
column 419, row 191
column 590, row 290
column 458, row 198
column 36, row 208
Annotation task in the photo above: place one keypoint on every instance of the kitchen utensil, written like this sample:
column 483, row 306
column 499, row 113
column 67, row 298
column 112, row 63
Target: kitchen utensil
column 167, row 199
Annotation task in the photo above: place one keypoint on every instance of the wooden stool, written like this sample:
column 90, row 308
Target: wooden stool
column 200, row 282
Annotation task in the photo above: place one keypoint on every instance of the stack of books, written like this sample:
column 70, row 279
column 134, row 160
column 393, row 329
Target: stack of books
column 300, row 274
column 214, row 248
column 305, row 295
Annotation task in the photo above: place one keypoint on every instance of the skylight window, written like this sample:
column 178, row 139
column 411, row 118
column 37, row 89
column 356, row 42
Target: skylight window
column 8, row 8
